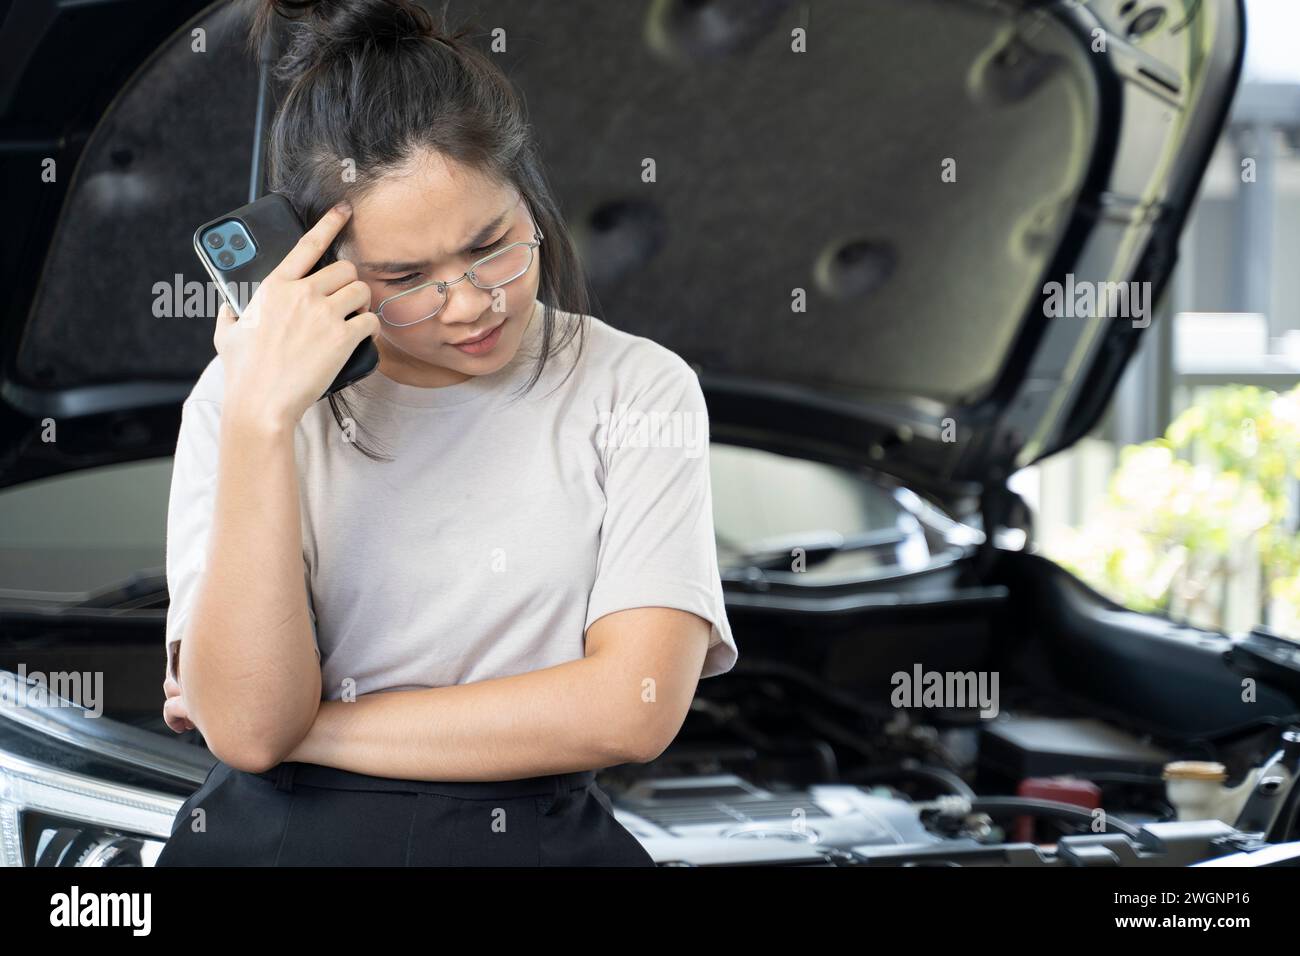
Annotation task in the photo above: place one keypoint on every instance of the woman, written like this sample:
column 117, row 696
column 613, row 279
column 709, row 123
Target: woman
column 422, row 656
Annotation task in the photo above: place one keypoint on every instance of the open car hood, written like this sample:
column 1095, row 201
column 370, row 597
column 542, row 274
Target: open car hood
column 850, row 242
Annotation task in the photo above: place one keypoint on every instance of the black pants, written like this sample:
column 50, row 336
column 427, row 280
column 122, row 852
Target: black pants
column 301, row 814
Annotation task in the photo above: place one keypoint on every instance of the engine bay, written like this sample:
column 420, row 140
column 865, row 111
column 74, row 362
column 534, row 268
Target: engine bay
column 803, row 756
column 1028, row 790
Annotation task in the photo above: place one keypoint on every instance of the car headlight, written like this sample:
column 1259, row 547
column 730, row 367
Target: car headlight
column 50, row 817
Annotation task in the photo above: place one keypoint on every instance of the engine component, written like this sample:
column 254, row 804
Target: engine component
column 1072, row 790
column 724, row 819
column 1154, row 844
column 1196, row 790
column 1274, row 801
column 1016, row 747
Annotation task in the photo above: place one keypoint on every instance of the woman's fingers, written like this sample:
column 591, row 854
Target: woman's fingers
column 225, row 319
column 176, row 715
column 350, row 298
column 362, row 327
column 333, row 277
column 285, row 366
column 308, row 250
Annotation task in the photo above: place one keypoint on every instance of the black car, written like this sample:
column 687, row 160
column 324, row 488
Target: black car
column 861, row 216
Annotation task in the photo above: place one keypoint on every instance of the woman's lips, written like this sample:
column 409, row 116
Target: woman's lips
column 484, row 343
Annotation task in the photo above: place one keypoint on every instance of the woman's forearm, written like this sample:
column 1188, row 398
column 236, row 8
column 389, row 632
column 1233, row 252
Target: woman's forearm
column 579, row 715
column 248, row 662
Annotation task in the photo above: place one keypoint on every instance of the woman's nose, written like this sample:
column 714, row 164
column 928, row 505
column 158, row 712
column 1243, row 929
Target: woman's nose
column 466, row 303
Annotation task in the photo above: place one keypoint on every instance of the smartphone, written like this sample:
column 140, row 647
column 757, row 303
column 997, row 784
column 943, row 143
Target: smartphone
column 241, row 248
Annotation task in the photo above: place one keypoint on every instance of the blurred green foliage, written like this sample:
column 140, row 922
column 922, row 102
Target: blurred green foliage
column 1186, row 513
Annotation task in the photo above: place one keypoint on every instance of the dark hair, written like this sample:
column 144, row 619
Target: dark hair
column 375, row 80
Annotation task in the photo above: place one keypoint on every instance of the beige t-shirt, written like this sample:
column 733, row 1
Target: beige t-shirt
column 504, row 526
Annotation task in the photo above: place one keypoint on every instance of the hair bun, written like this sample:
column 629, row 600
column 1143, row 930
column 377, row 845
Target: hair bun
column 323, row 29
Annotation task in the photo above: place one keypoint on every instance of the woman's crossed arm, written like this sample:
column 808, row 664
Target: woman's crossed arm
column 623, row 702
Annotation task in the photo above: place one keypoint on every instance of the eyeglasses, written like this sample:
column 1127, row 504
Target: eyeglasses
column 426, row 300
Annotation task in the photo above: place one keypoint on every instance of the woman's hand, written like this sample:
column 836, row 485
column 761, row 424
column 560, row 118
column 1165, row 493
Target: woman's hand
column 175, row 713
column 294, row 337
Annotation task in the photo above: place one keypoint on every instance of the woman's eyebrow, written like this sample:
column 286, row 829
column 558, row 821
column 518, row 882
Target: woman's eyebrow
column 480, row 237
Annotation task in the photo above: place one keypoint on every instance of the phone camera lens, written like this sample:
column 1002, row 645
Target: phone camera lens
column 227, row 259
column 214, row 240
column 237, row 242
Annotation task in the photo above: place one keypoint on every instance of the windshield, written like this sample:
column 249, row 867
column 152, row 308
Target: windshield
column 98, row 535
column 813, row 523
column 68, row 537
